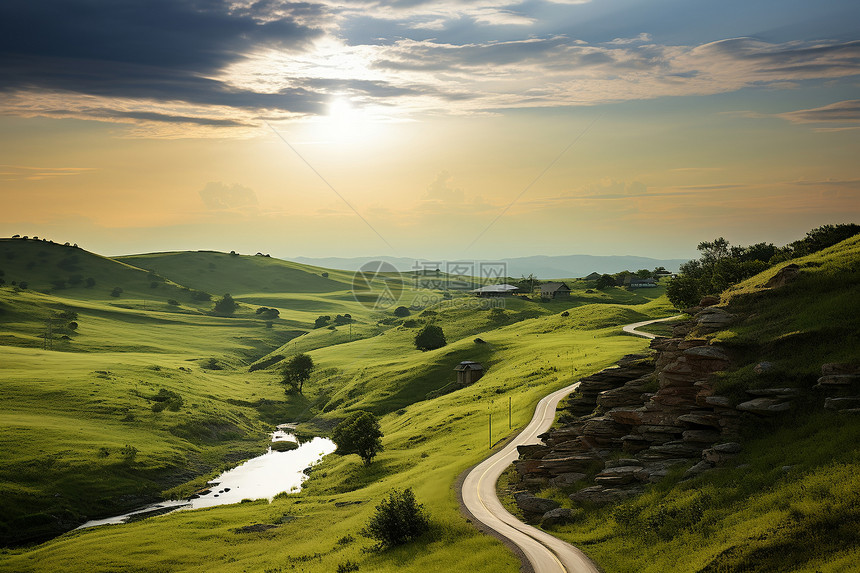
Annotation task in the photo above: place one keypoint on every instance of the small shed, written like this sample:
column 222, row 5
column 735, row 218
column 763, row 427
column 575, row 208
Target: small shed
column 554, row 290
column 593, row 277
column 468, row 372
column 496, row 290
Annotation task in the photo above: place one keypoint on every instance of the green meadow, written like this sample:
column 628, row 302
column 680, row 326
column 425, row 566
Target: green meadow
column 82, row 434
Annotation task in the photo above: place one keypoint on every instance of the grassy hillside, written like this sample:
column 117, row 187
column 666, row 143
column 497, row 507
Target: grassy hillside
column 791, row 500
column 69, row 415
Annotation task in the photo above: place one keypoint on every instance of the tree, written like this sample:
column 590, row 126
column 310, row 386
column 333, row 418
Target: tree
column 643, row 274
column 116, row 292
column 527, row 284
column 321, row 321
column 398, row 519
column 267, row 313
column 605, row 281
column 226, row 305
column 430, row 337
column 683, row 291
column 358, row 434
column 297, row 371
column 401, row 311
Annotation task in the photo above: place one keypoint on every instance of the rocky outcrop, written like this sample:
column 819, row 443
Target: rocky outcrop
column 652, row 415
column 530, row 504
column 784, row 276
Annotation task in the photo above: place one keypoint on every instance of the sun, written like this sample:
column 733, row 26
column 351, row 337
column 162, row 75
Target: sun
column 344, row 123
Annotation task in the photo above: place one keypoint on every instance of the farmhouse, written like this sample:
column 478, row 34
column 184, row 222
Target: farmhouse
column 496, row 290
column 554, row 290
column 468, row 372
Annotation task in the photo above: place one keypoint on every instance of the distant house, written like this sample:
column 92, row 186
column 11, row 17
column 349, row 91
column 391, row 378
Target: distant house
column 593, row 277
column 663, row 274
column 642, row 283
column 468, row 372
column 496, row 290
column 554, row 290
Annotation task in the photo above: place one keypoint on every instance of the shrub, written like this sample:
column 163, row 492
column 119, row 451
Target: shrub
column 226, row 305
column 430, row 337
column 347, row 567
column 401, row 311
column 359, row 434
column 398, row 520
column 116, row 292
column 172, row 302
column 325, row 275
column 200, row 295
column 73, row 325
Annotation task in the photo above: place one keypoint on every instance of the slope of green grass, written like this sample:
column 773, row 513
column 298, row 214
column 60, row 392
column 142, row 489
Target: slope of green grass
column 790, row 501
column 70, row 414
column 239, row 274
column 427, row 444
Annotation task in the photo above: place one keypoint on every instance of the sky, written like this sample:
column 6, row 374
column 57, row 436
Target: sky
column 443, row 129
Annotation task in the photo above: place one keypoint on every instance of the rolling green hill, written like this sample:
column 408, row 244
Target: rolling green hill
column 70, row 412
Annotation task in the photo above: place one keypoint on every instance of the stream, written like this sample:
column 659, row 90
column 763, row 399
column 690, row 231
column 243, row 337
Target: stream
column 262, row 477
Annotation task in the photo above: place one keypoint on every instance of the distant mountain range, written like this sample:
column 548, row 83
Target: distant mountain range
column 542, row 266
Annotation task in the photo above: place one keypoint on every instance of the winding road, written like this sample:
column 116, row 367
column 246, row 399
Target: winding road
column 545, row 553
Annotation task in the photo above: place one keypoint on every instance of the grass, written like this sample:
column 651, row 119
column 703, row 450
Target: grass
column 69, row 414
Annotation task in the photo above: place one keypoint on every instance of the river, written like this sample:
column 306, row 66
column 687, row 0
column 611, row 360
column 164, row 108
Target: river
column 265, row 476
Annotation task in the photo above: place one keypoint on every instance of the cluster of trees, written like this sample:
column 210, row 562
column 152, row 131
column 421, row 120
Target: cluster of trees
column 339, row 319
column 722, row 265
column 267, row 313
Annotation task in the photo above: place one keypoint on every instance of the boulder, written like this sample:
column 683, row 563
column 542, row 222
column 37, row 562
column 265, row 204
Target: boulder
column 618, row 475
column 721, row 453
column 557, row 516
column 784, row 276
column 701, row 436
column 763, row 367
column 533, row 451
column 709, row 300
column 764, row 406
column 839, row 368
column 842, row 404
column 600, row 495
column 654, row 471
column 838, row 380
column 577, row 463
column 529, row 503
column 700, row 419
column 622, row 462
column 785, row 393
column 718, row 402
column 699, row 468
column 567, row 480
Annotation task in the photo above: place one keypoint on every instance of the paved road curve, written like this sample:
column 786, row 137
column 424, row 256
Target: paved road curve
column 547, row 554
column 631, row 328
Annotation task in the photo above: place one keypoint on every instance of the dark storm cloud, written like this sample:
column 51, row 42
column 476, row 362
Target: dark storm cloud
column 159, row 49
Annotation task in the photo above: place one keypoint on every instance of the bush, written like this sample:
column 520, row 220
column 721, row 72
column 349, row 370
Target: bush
column 359, row 434
column 200, row 295
column 226, row 305
column 172, row 302
column 430, row 337
column 401, row 311
column 116, row 292
column 398, row 519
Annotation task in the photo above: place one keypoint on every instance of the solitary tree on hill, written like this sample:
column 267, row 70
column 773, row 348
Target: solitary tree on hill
column 359, row 434
column 430, row 337
column 298, row 371
column 226, row 305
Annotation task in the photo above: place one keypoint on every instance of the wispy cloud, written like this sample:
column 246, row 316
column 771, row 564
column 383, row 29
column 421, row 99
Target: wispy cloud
column 840, row 112
column 31, row 173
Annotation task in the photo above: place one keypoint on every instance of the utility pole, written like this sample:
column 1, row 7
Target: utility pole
column 491, row 430
column 510, row 422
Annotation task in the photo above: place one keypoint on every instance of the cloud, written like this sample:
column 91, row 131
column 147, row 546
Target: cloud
column 442, row 189
column 847, row 111
column 190, row 68
column 30, row 173
column 222, row 197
